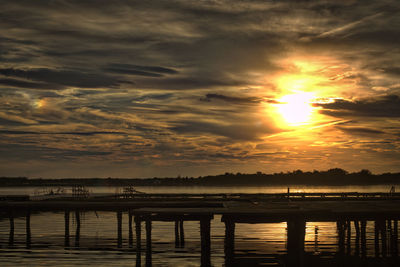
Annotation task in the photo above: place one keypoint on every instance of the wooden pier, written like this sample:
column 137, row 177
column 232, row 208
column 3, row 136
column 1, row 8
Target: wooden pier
column 296, row 210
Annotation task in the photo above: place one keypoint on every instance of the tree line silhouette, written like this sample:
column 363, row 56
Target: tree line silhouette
column 335, row 176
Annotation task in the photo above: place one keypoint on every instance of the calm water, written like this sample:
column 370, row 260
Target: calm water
column 255, row 244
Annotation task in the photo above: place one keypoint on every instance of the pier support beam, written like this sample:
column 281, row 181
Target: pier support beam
column 357, row 241
column 341, row 236
column 66, row 234
column 12, row 227
column 348, row 237
column 181, row 234
column 78, row 228
column 295, row 241
column 177, row 234
column 383, row 237
column 119, row 229
column 148, row 242
column 205, row 242
column 28, row 229
column 130, row 229
column 363, row 227
column 138, row 229
column 229, row 245
column 395, row 238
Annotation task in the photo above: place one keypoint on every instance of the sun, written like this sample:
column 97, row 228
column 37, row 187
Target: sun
column 296, row 109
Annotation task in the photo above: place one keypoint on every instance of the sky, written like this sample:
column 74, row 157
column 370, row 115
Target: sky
column 118, row 88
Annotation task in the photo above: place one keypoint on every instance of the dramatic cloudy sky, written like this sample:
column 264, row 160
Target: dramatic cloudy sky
column 164, row 88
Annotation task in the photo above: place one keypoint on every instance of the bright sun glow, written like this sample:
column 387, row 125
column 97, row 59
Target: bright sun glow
column 296, row 109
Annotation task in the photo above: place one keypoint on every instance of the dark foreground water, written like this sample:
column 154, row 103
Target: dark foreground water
column 255, row 244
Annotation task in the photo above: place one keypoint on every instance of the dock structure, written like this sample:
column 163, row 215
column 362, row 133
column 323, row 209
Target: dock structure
column 381, row 210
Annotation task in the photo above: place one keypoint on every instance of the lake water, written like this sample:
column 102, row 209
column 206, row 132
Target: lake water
column 255, row 244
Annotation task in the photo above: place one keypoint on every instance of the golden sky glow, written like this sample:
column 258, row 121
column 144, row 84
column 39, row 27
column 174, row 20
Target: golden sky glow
column 198, row 87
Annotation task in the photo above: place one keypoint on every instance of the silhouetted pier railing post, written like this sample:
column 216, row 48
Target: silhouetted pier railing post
column 66, row 228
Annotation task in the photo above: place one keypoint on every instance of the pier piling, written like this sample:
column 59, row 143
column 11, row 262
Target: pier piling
column 130, row 241
column 66, row 234
column 138, row 229
column 28, row 229
column 119, row 228
column 205, row 242
column 229, row 244
column 357, row 241
column 11, row 235
column 177, row 234
column 295, row 241
column 181, row 234
column 363, row 227
column 148, row 242
column 78, row 228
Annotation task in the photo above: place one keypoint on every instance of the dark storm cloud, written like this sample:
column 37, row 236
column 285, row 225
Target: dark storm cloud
column 238, row 131
column 58, row 133
column 386, row 106
column 43, row 152
column 233, row 99
column 63, row 77
column 360, row 130
column 27, row 84
column 150, row 71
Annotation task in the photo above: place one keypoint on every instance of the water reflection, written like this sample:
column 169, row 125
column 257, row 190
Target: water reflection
column 107, row 238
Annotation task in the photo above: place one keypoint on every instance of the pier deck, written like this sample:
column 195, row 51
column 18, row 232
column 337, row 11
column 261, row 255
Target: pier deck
column 382, row 209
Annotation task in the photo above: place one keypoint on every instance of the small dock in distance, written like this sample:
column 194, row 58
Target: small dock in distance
column 296, row 209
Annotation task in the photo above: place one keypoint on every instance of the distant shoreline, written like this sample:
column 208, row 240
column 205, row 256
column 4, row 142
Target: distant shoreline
column 332, row 177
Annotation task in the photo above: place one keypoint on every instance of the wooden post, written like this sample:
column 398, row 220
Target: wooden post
column 229, row 242
column 78, row 228
column 66, row 235
column 348, row 239
column 205, row 242
column 376, row 228
column 28, row 229
column 148, row 242
column 181, row 234
column 138, row 229
column 130, row 229
column 395, row 238
column 295, row 241
column 341, row 235
column 177, row 234
column 119, row 229
column 383, row 236
column 363, row 238
column 11, row 236
column 357, row 241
